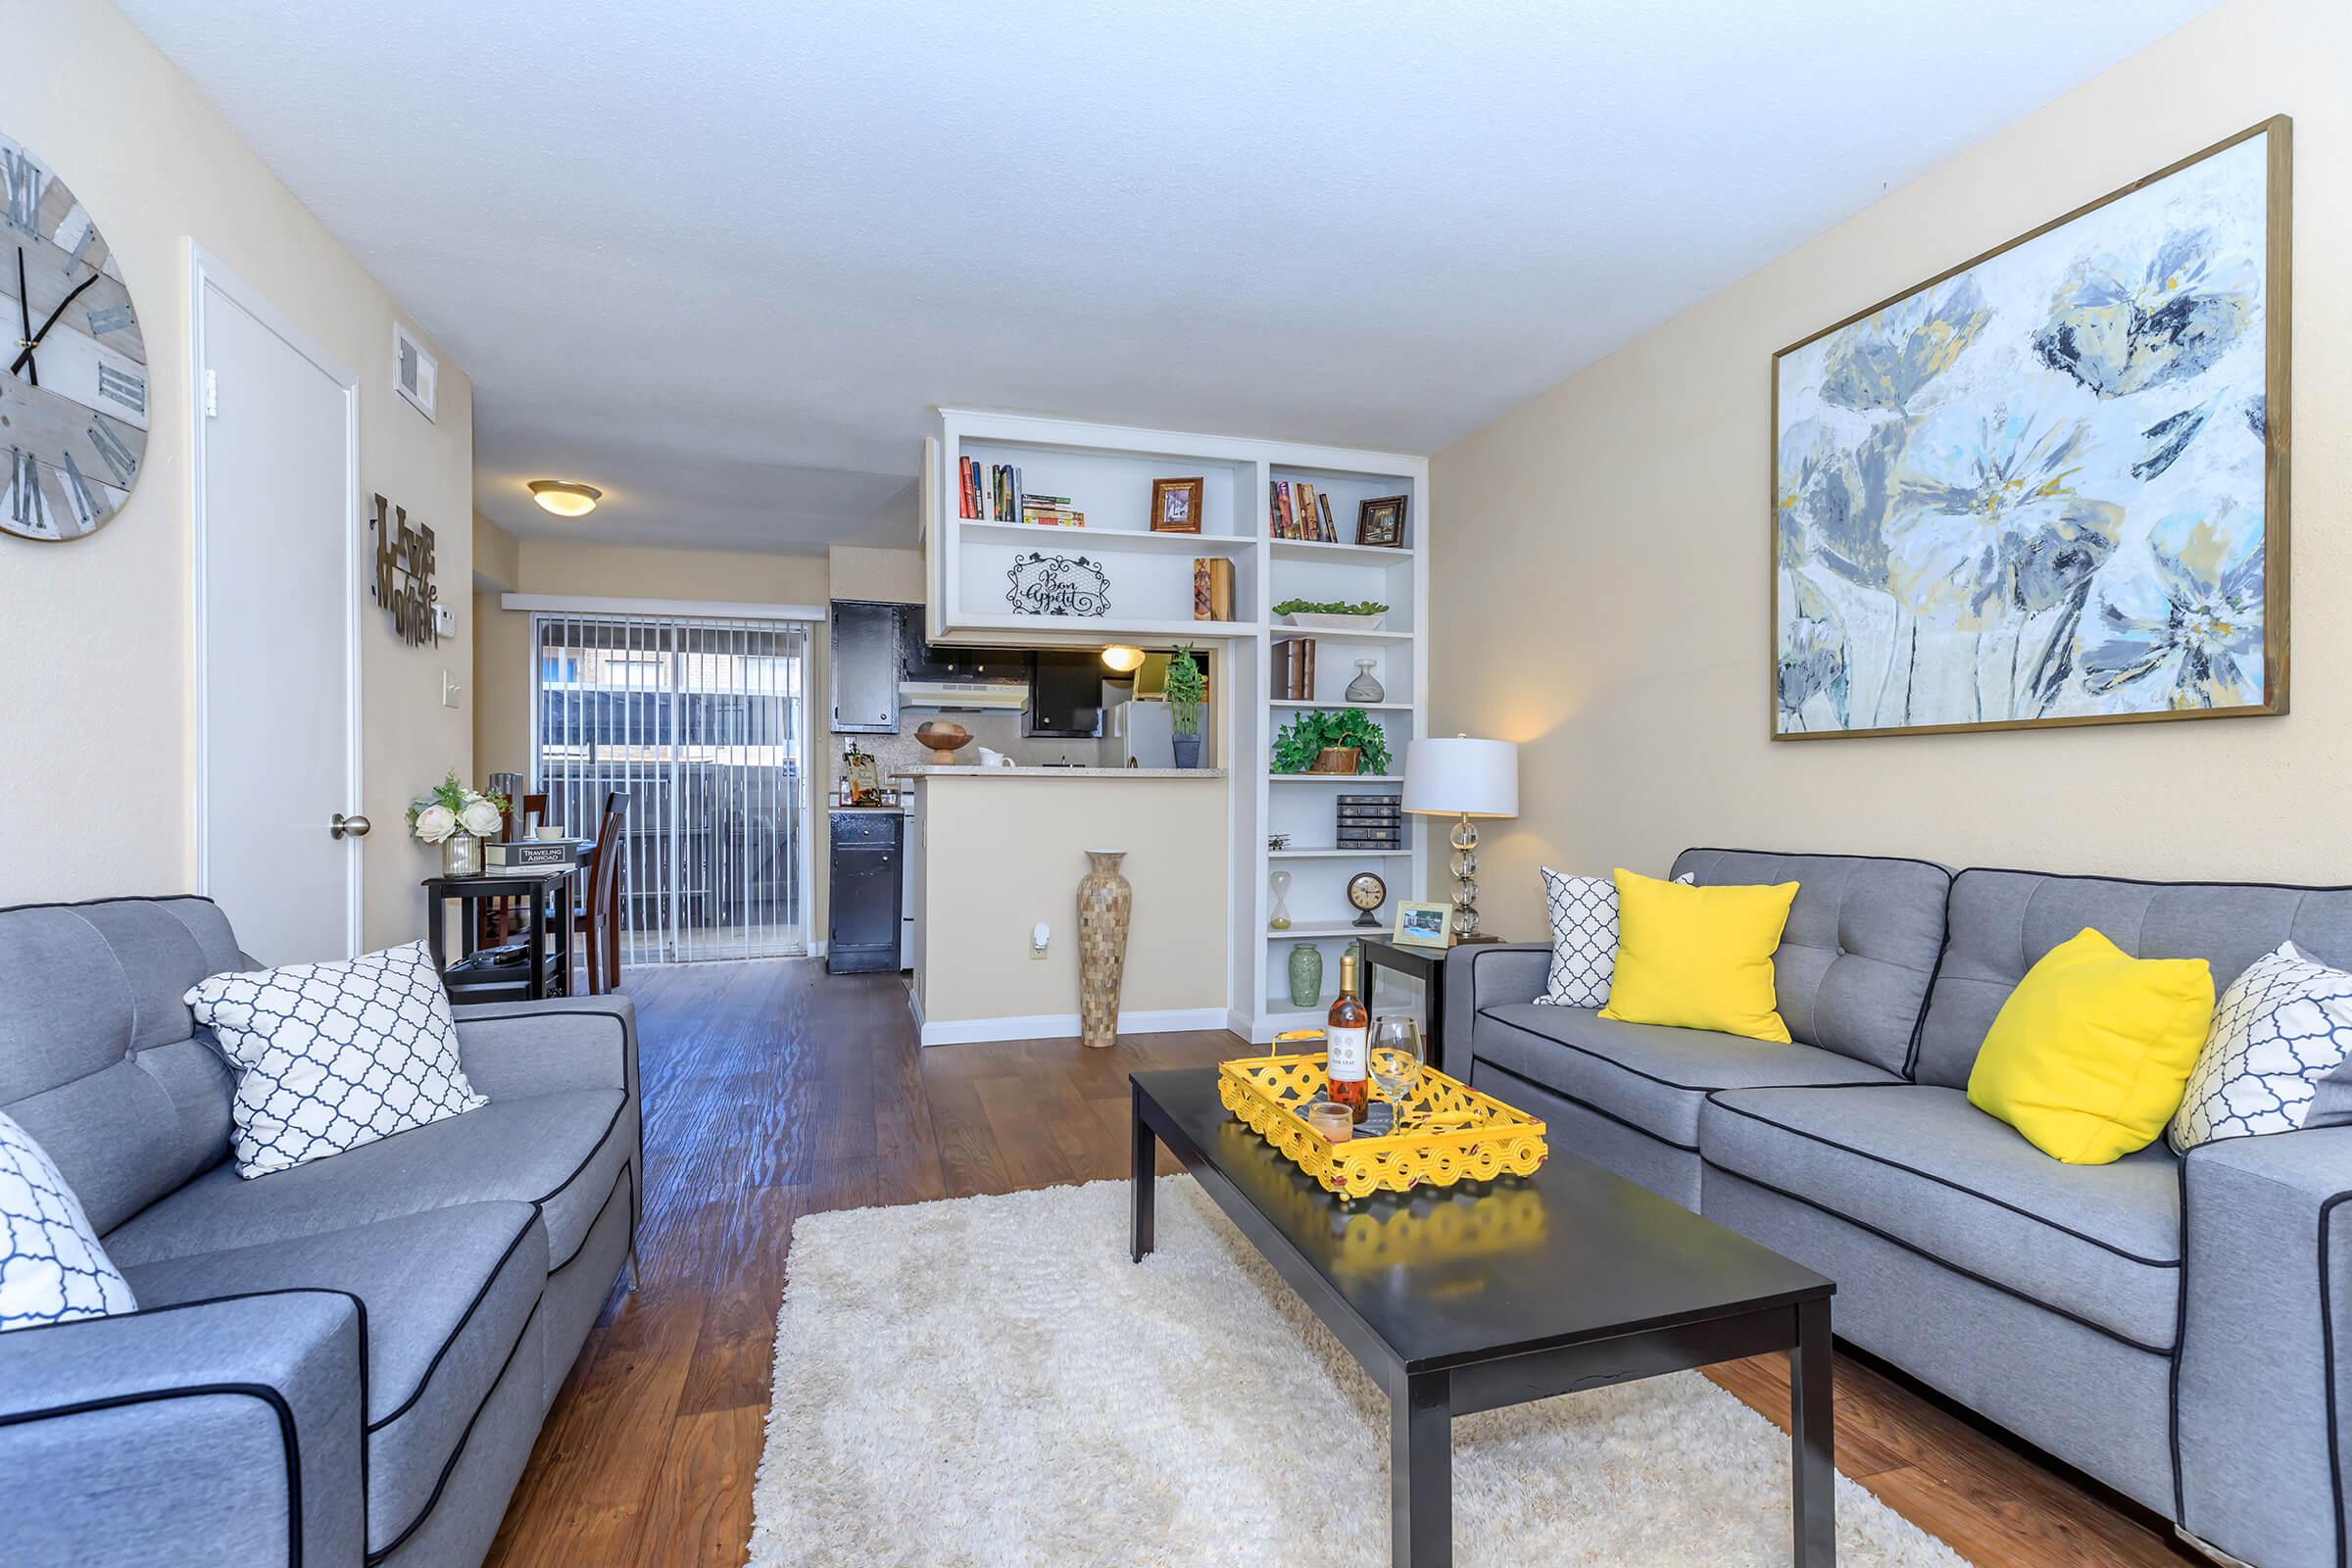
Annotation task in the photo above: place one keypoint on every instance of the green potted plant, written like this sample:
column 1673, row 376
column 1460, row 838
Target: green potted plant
column 1334, row 614
column 1347, row 741
column 1187, row 689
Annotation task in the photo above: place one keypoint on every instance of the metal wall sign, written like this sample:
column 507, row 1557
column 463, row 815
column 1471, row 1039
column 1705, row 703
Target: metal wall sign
column 404, row 575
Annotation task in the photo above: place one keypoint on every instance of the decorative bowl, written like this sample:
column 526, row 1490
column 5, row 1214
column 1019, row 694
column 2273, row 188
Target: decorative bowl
column 1318, row 621
column 943, row 738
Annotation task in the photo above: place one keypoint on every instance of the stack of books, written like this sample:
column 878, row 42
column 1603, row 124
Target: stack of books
column 1294, row 668
column 992, row 493
column 1295, row 511
column 1371, row 822
column 530, row 857
column 1050, row 511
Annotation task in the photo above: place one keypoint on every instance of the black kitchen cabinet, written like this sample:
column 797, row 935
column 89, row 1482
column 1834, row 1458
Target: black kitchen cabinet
column 865, row 660
column 863, row 931
column 1065, row 695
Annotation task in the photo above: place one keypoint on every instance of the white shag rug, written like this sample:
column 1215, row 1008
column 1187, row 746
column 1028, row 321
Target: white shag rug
column 989, row 1381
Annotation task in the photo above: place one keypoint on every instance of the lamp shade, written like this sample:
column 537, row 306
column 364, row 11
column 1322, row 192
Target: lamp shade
column 1461, row 777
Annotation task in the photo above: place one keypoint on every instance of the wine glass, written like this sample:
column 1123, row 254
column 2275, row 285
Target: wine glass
column 1396, row 1061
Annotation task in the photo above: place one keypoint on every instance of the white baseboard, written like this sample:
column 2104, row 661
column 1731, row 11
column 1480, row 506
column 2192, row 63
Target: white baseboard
column 817, row 949
column 1063, row 1025
column 914, row 1006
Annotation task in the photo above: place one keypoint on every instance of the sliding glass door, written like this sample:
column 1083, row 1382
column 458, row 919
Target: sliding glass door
column 702, row 725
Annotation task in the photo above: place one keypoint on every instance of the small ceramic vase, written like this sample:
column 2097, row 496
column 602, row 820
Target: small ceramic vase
column 1307, row 974
column 1364, row 689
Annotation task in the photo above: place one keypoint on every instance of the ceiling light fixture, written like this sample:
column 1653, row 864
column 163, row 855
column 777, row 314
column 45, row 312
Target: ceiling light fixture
column 563, row 499
column 1122, row 658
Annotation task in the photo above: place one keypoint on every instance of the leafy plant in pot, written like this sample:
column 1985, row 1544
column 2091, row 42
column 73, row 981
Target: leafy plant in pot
column 1318, row 742
column 1187, row 688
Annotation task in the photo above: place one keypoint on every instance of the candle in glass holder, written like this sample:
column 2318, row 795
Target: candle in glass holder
column 1334, row 1121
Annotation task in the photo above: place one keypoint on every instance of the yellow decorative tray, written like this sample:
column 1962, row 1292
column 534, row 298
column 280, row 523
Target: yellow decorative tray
column 1481, row 1137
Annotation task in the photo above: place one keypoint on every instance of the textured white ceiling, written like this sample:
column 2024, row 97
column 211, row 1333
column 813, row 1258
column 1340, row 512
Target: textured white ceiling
column 719, row 257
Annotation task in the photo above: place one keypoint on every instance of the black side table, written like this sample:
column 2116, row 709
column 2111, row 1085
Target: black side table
column 544, row 973
column 1426, row 964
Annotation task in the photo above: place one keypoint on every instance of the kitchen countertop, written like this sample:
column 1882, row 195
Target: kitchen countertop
column 974, row 770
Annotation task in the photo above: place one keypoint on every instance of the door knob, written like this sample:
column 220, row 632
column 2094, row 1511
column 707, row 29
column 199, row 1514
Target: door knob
column 353, row 826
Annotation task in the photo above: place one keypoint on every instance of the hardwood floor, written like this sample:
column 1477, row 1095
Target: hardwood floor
column 773, row 1089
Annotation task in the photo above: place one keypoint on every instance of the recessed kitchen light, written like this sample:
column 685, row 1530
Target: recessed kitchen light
column 564, row 499
column 1122, row 658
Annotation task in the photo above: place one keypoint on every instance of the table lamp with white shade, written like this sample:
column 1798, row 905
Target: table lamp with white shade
column 1462, row 778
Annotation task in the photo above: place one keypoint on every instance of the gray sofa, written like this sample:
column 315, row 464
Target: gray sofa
column 342, row 1364
column 2169, row 1325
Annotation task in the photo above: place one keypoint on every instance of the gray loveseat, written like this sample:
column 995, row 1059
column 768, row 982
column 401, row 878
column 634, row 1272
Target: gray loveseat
column 342, row 1364
column 2177, row 1328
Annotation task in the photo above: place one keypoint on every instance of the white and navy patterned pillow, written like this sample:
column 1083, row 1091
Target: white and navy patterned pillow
column 333, row 1056
column 52, row 1269
column 1583, row 938
column 2280, row 1027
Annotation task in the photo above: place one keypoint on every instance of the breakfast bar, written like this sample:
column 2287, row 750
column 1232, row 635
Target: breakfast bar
column 998, row 852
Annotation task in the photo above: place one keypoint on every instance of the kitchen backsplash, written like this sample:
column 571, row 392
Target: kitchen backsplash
column 998, row 731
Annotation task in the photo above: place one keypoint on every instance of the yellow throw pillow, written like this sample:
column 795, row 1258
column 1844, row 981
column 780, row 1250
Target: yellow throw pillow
column 1698, row 957
column 2091, row 1053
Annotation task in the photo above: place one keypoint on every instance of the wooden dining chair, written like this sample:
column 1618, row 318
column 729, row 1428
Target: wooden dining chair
column 596, row 919
column 497, row 919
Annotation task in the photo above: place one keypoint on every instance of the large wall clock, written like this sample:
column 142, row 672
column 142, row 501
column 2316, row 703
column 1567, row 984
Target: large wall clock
column 73, row 387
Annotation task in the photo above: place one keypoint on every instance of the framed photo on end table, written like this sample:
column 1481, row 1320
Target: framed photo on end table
column 1424, row 925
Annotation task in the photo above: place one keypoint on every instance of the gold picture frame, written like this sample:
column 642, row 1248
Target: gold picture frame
column 1176, row 505
column 1801, row 655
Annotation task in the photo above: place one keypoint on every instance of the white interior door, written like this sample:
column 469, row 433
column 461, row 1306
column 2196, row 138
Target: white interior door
column 276, row 591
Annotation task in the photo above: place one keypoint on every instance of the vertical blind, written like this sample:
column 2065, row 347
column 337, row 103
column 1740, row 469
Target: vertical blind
column 702, row 725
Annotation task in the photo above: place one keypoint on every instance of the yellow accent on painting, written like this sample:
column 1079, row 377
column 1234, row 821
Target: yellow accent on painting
column 2089, row 1055
column 1698, row 958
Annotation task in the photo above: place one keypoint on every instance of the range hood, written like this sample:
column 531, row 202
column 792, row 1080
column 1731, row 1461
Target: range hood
column 964, row 697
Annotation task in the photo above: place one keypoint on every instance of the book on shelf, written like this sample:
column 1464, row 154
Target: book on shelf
column 1367, row 839
column 1050, row 511
column 1297, row 510
column 1299, row 669
column 991, row 492
column 1212, row 588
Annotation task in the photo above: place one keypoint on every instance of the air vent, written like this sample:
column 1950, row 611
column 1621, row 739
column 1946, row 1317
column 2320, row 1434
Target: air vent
column 416, row 373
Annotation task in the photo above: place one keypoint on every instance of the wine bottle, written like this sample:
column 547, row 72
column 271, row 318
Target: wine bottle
column 1346, row 1062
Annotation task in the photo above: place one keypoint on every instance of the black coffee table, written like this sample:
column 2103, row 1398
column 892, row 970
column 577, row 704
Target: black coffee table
column 1579, row 1279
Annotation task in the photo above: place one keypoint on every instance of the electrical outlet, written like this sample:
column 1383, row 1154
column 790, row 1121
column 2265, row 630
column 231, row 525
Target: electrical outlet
column 1040, row 936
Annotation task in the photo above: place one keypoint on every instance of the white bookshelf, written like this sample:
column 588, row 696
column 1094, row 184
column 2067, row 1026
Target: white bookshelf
column 1106, row 472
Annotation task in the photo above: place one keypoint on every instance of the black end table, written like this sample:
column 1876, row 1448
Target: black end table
column 1426, row 964
column 544, row 973
column 1599, row 1282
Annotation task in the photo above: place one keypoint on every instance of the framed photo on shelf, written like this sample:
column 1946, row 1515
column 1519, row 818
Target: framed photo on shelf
column 1381, row 521
column 1175, row 506
column 1424, row 925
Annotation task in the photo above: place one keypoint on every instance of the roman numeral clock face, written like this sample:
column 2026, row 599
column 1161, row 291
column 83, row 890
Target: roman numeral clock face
column 73, row 366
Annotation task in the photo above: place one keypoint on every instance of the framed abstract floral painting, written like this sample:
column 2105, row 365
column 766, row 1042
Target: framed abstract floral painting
column 2048, row 486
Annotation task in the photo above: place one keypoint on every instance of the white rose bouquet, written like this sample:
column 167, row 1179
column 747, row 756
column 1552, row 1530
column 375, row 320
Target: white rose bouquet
column 451, row 808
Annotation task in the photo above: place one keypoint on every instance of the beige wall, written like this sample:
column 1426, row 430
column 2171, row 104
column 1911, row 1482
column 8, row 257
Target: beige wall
column 100, row 709
column 998, row 855
column 1604, row 600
